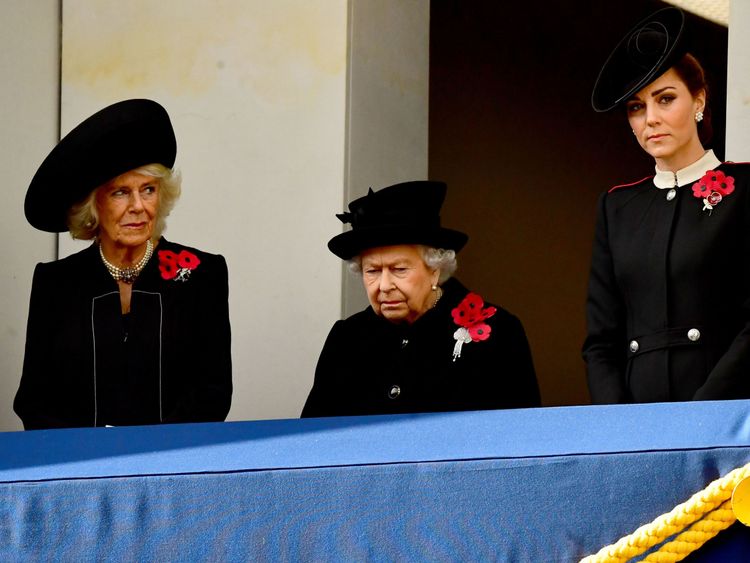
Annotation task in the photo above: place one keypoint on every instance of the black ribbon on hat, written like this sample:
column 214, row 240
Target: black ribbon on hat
column 370, row 212
column 354, row 218
column 346, row 217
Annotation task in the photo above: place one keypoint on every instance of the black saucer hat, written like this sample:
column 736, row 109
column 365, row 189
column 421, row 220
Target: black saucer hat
column 406, row 213
column 116, row 139
column 646, row 52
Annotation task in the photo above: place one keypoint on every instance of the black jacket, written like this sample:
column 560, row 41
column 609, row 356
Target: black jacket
column 372, row 366
column 86, row 364
column 669, row 295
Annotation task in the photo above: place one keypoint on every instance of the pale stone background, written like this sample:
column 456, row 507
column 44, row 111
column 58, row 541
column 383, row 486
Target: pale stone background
column 281, row 109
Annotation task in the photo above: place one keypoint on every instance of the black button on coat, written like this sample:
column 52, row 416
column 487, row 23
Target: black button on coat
column 366, row 358
column 659, row 269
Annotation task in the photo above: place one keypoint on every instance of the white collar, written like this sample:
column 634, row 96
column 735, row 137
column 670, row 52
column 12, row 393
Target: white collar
column 666, row 179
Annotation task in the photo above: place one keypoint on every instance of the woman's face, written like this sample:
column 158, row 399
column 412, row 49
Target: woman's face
column 127, row 207
column 662, row 116
column 398, row 282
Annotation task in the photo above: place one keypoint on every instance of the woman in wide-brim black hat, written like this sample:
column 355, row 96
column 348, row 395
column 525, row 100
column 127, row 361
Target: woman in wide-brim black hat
column 668, row 305
column 425, row 343
column 134, row 329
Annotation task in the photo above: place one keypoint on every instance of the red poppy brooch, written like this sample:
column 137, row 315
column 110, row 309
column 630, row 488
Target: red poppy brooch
column 177, row 267
column 712, row 188
column 470, row 316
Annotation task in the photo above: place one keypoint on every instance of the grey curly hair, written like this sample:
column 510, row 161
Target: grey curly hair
column 83, row 217
column 434, row 258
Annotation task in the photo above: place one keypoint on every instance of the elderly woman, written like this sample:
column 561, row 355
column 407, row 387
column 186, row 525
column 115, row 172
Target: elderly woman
column 669, row 294
column 134, row 329
column 426, row 343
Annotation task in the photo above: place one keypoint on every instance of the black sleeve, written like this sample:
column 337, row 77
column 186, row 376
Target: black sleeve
column 525, row 388
column 324, row 395
column 39, row 400
column 604, row 348
column 209, row 396
column 730, row 377
column 504, row 370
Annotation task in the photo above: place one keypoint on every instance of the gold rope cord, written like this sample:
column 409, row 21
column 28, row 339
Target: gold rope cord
column 709, row 511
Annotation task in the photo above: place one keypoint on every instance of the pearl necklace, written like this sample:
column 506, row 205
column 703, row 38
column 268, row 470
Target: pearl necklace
column 128, row 274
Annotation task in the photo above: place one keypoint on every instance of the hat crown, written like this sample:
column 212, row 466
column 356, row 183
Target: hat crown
column 648, row 50
column 415, row 203
column 405, row 213
column 118, row 138
column 648, row 44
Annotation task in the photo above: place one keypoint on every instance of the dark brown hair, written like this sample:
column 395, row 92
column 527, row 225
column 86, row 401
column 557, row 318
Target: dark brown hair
column 692, row 74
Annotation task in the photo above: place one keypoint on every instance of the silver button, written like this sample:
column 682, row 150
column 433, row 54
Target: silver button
column 694, row 335
column 394, row 392
column 634, row 346
column 670, row 194
column 404, row 342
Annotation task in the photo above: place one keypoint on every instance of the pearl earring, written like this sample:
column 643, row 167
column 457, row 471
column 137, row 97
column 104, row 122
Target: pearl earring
column 438, row 295
column 698, row 116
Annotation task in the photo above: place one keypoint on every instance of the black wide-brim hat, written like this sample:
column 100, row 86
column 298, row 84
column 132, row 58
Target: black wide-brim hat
column 646, row 52
column 114, row 140
column 406, row 213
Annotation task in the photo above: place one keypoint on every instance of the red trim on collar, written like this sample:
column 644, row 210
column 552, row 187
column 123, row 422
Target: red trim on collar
column 631, row 184
column 733, row 162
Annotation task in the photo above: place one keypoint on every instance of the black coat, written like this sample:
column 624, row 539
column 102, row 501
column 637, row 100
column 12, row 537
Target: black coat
column 669, row 295
column 372, row 366
column 86, row 364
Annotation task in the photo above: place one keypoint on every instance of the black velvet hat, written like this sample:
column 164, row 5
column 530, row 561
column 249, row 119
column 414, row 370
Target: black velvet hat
column 646, row 52
column 116, row 139
column 406, row 213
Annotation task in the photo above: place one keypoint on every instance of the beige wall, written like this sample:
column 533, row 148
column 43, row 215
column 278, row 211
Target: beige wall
column 738, row 82
column 388, row 108
column 256, row 91
column 277, row 107
column 28, row 129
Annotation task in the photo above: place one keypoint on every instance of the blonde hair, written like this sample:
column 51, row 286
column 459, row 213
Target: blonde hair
column 83, row 217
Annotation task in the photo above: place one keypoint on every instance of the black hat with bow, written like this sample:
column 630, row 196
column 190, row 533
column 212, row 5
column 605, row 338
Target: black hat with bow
column 646, row 52
column 114, row 140
column 405, row 213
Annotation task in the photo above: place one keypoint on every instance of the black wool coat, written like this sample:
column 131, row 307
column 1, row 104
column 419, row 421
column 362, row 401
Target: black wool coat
column 86, row 364
column 669, row 295
column 370, row 365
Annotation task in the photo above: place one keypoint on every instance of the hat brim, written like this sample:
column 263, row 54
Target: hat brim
column 621, row 76
column 351, row 243
column 116, row 139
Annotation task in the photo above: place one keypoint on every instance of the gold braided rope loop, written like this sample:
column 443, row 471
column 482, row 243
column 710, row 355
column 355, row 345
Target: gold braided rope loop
column 708, row 504
column 698, row 534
